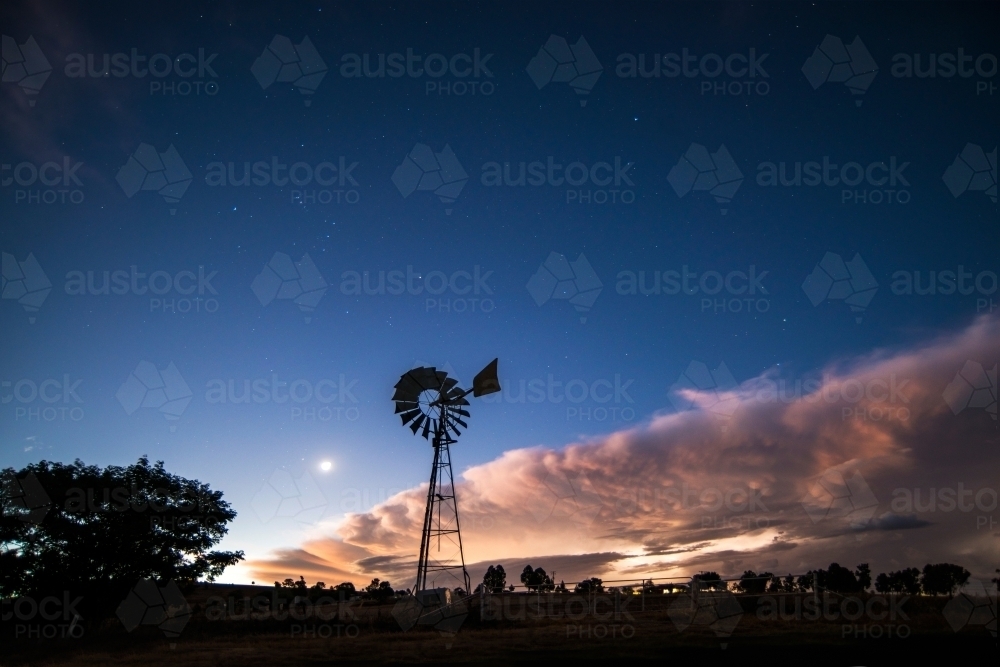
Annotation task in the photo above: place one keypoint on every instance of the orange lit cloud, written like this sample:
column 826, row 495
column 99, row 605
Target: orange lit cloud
column 789, row 481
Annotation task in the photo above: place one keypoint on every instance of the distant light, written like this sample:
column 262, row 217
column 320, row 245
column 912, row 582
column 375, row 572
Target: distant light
column 326, row 466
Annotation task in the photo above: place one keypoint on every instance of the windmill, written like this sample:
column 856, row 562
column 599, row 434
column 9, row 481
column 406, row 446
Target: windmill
column 433, row 405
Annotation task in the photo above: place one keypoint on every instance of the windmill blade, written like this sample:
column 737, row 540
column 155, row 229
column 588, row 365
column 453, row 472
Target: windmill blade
column 447, row 383
column 402, row 406
column 427, row 427
column 416, row 425
column 407, row 389
column 459, row 421
column 459, row 411
column 425, row 378
column 429, row 377
column 407, row 416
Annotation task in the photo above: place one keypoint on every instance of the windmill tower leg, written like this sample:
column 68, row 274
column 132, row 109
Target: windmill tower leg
column 425, row 537
column 440, row 518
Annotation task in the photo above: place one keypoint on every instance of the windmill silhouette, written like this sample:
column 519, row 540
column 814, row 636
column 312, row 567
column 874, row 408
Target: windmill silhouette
column 433, row 405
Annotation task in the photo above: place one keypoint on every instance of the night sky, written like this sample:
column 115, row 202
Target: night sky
column 652, row 382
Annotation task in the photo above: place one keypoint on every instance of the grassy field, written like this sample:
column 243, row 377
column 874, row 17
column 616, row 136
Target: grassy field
column 608, row 632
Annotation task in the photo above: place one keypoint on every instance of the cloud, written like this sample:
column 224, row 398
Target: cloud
column 890, row 521
column 680, row 493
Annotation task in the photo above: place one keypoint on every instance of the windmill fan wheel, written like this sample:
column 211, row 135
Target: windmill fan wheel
column 430, row 402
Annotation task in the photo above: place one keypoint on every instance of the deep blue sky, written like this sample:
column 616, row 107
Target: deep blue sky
column 508, row 231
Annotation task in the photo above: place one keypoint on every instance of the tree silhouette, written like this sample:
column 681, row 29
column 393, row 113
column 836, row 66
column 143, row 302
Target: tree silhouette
column 805, row 582
column 592, row 585
column 839, row 579
column 379, row 590
column 906, row 580
column 345, row 590
column 710, row 581
column 753, row 583
column 943, row 578
column 495, row 579
column 105, row 529
column 536, row 579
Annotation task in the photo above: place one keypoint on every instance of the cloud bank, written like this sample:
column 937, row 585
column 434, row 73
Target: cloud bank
column 886, row 459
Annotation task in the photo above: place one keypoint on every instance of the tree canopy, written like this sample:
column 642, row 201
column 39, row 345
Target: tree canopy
column 100, row 530
column 536, row 579
column 495, row 579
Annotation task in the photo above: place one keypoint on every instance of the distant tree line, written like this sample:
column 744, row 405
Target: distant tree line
column 934, row 579
column 377, row 590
